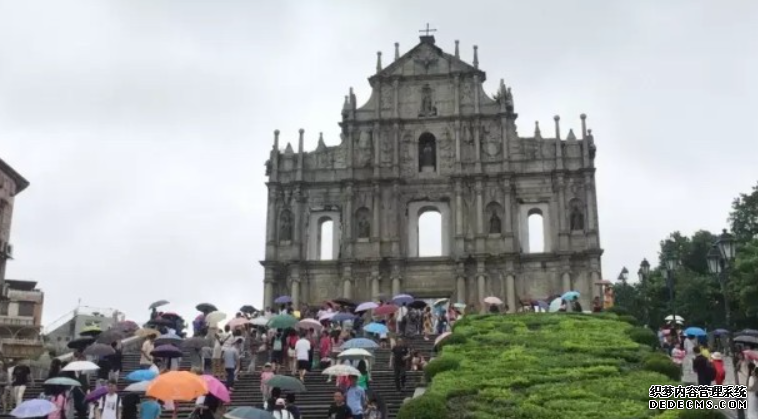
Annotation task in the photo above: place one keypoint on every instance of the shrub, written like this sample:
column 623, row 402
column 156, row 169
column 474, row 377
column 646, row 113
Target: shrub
column 643, row 336
column 663, row 365
column 454, row 339
column 618, row 310
column 427, row 406
column 629, row 319
column 441, row 364
column 701, row 414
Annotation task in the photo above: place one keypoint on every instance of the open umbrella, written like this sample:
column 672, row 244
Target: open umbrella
column 418, row 304
column 138, row 387
column 360, row 343
column 749, row 332
column 217, row 388
column 181, row 386
column 342, row 317
column 282, row 321
column 401, row 299
column 493, row 301
column 750, row 355
column 248, row 309
column 376, row 328
column 751, row 340
column 459, row 306
column 81, row 366
column 309, row 324
column 96, row 394
column 670, row 318
column 160, row 321
column 206, row 308
column 170, row 316
column 719, row 332
column 569, row 296
column 166, row 351
column 91, row 331
column 441, row 302
column 284, row 382
column 326, row 317
column 385, row 310
column 284, row 299
column 141, row 375
column 110, row 336
column 694, row 331
column 555, row 305
column 237, row 322
column 248, row 412
column 259, row 321
column 34, row 408
column 147, row 331
column 81, row 343
column 168, row 339
column 341, row 370
column 197, row 342
column 214, row 318
column 370, row 305
column 355, row 353
column 99, row 350
column 442, row 337
column 159, row 303
column 344, row 302
column 62, row 381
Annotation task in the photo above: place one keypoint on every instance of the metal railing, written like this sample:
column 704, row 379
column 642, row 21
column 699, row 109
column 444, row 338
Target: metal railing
column 17, row 321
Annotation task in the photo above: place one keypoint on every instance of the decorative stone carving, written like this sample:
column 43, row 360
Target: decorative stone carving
column 495, row 224
column 285, row 225
column 427, row 104
column 363, row 225
column 426, row 58
column 363, row 151
column 576, row 219
column 385, row 145
column 467, row 92
column 387, row 97
column 491, row 139
column 445, row 155
column 268, row 167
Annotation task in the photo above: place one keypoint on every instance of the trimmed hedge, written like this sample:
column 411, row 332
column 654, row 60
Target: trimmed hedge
column 661, row 363
column 441, row 364
column 539, row 365
column 643, row 336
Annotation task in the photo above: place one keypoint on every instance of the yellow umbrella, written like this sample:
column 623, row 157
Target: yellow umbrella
column 146, row 331
column 182, row 386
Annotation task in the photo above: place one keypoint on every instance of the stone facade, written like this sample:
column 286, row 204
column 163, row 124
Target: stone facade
column 430, row 139
column 11, row 183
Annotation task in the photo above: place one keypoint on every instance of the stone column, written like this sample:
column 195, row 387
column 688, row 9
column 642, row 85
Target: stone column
column 296, row 292
column 271, row 215
column 268, row 293
column 458, row 208
column 481, row 285
column 566, row 281
column 376, row 210
column 396, row 98
column 460, row 285
column 479, row 207
column 510, row 289
column 589, row 203
column 395, row 285
column 457, row 101
column 374, row 286
column 347, row 288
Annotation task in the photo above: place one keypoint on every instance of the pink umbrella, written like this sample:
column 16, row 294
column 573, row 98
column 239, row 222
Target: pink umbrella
column 385, row 309
column 441, row 337
column 237, row 322
column 309, row 324
column 217, row 388
column 750, row 354
column 493, row 301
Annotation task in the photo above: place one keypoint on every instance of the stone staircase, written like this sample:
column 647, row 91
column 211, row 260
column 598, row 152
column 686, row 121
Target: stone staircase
column 315, row 402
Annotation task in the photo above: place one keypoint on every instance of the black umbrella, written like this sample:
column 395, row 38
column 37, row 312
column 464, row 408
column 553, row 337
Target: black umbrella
column 752, row 340
column 197, row 342
column 110, row 336
column 419, row 304
column 166, row 351
column 81, row 343
column 248, row 309
column 159, row 303
column 206, row 308
column 99, row 349
column 344, row 302
column 749, row 332
column 160, row 322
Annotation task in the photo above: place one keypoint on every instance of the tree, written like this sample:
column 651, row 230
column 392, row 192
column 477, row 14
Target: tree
column 744, row 216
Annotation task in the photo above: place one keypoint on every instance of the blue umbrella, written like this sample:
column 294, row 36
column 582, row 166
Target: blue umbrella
column 141, row 375
column 377, row 328
column 718, row 332
column 34, row 408
column 360, row 343
column 694, row 331
column 284, row 299
column 571, row 295
column 341, row 317
column 401, row 299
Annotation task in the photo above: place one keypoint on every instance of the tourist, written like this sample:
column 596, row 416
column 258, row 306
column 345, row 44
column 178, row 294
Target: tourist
column 292, row 407
column 703, row 368
column 218, row 348
column 402, row 319
column 103, row 374
column 129, row 406
column 313, row 339
column 206, row 353
column 597, row 305
column 207, row 406
column 338, row 409
column 363, row 380
column 150, row 409
column 146, row 358
column 427, row 320
column 266, row 375
column 270, row 403
column 280, row 410
column 59, row 400
column 109, row 406
column 399, row 359
column 116, row 360
column 355, row 398
column 752, row 386
column 718, row 364
column 54, row 370
column 417, row 361
column 277, row 353
column 372, row 410
column 232, row 363
column 291, row 354
column 21, row 378
column 302, row 353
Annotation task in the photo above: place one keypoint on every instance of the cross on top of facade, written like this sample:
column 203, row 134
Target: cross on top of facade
column 427, row 30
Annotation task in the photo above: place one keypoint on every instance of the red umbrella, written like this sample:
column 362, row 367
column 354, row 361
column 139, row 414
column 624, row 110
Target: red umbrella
column 385, row 309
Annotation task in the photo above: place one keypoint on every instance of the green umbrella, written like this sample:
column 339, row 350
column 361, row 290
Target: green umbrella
column 282, row 321
column 62, row 381
column 284, row 382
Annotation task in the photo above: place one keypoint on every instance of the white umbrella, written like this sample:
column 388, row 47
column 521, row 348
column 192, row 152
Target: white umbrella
column 214, row 318
column 81, row 366
column 309, row 324
column 259, row 321
column 555, row 305
column 327, row 316
column 340, row 370
column 493, row 301
column 670, row 317
column 355, row 353
column 139, row 387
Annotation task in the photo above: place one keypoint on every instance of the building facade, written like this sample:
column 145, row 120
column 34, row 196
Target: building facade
column 67, row 328
column 11, row 184
column 21, row 320
column 429, row 139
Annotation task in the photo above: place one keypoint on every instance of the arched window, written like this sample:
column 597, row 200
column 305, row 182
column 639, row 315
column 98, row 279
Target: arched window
column 536, row 231
column 326, row 239
column 427, row 153
column 429, row 233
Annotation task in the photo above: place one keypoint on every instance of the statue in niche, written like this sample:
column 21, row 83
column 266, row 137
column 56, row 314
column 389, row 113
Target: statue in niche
column 495, row 224
column 364, row 227
column 576, row 218
column 364, row 149
column 269, row 167
column 427, row 108
column 285, row 226
column 427, row 158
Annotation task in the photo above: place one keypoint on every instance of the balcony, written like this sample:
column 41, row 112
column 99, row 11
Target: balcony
column 31, row 296
column 17, row 321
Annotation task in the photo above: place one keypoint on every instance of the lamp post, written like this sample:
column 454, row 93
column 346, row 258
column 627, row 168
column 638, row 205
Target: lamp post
column 642, row 274
column 672, row 262
column 624, row 275
column 719, row 259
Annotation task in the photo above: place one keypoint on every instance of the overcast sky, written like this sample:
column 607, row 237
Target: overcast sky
column 143, row 126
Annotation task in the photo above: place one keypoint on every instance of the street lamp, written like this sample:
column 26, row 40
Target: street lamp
column 672, row 262
column 719, row 258
column 624, row 275
column 645, row 267
column 642, row 274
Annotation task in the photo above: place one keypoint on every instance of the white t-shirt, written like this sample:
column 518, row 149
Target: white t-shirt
column 401, row 313
column 109, row 406
column 302, row 347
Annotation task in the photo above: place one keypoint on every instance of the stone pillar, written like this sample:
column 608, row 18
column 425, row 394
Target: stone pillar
column 589, row 204
column 458, row 144
column 271, row 215
column 566, row 281
column 395, row 285
column 347, row 288
column 460, row 285
column 510, row 289
column 376, row 210
column 458, row 208
column 268, row 293
column 479, row 207
column 396, row 98
column 457, row 99
column 296, row 293
column 374, row 286
column 481, row 285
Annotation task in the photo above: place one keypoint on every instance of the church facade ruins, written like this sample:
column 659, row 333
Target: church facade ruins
column 430, row 139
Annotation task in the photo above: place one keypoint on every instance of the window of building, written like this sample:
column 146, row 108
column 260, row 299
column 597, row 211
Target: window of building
column 430, row 233
column 26, row 309
column 536, row 231
column 3, row 308
column 326, row 239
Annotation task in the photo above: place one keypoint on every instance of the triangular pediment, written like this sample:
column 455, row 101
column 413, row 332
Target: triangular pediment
column 425, row 59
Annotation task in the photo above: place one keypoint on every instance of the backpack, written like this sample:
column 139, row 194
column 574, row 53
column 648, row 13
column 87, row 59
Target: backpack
column 277, row 344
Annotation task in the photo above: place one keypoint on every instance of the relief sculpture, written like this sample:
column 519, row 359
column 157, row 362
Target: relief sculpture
column 363, row 152
column 491, row 140
column 446, row 156
column 385, row 139
column 387, row 97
